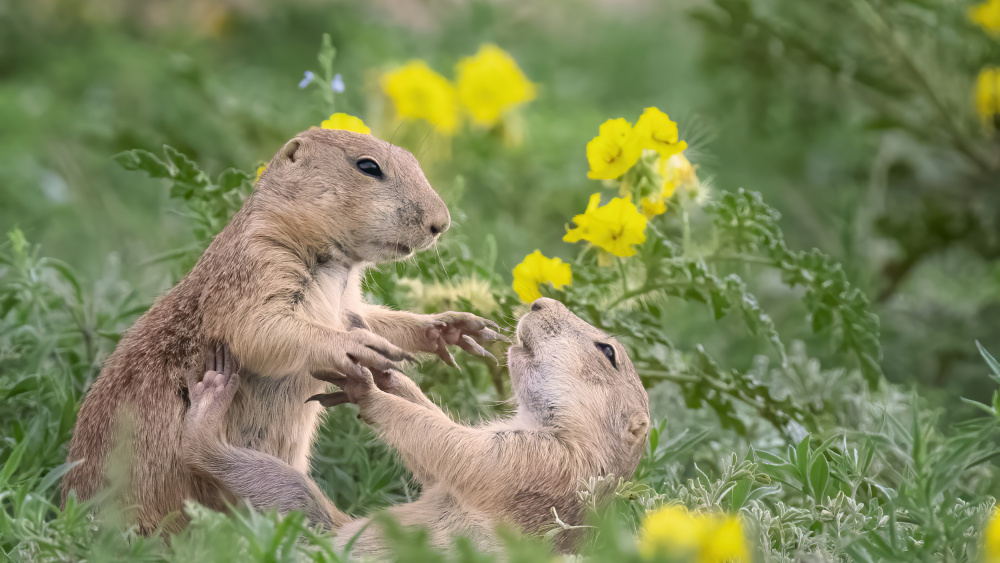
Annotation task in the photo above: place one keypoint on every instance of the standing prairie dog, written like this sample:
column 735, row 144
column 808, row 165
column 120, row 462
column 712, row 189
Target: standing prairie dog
column 581, row 412
column 281, row 287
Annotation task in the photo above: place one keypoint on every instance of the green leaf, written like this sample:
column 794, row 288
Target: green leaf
column 819, row 475
column 990, row 361
column 56, row 474
column 67, row 273
column 185, row 169
column 822, row 318
column 231, row 178
column 29, row 383
column 12, row 463
column 139, row 159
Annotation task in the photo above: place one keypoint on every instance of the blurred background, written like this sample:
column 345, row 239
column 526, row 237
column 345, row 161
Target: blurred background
column 859, row 121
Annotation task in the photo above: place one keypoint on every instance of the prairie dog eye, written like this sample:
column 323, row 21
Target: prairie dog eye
column 609, row 353
column 370, row 167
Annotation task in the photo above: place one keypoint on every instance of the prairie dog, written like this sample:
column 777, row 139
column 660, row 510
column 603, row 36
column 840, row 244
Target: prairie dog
column 581, row 412
column 281, row 287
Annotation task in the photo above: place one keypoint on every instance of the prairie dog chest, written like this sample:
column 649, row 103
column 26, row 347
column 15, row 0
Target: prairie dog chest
column 332, row 291
column 270, row 414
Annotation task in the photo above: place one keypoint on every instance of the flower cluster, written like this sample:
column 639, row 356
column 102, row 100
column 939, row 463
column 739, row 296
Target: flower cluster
column 488, row 85
column 647, row 163
column 618, row 146
column 674, row 534
column 987, row 16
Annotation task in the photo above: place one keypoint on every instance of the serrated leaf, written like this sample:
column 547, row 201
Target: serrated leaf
column 231, row 178
column 693, row 294
column 719, row 304
column 181, row 190
column 185, row 169
column 139, row 159
column 822, row 318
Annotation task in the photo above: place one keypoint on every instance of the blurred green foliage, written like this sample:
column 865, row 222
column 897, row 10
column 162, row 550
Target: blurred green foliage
column 854, row 119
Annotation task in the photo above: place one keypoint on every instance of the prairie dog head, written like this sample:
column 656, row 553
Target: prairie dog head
column 568, row 375
column 357, row 194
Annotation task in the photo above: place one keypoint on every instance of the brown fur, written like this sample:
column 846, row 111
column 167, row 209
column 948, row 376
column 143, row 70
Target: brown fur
column 281, row 286
column 578, row 417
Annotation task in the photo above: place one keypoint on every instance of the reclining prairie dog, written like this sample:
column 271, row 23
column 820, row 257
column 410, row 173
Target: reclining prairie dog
column 581, row 412
column 281, row 286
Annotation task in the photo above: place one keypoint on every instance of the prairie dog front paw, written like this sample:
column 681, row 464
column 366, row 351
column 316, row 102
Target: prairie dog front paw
column 465, row 330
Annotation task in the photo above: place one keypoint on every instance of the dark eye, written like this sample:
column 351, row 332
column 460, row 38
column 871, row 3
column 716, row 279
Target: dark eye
column 609, row 353
column 370, row 167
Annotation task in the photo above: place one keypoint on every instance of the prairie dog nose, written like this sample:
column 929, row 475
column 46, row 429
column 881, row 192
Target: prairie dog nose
column 544, row 303
column 439, row 222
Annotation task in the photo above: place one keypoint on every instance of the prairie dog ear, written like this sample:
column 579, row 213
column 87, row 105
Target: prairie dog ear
column 292, row 151
column 638, row 427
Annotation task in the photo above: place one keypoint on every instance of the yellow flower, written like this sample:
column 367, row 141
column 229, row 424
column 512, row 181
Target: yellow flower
column 260, row 170
column 988, row 94
column 536, row 269
column 615, row 227
column 613, row 151
column 676, row 171
column 727, row 541
column 656, row 131
column 674, row 532
column 654, row 205
column 986, row 16
column 420, row 93
column 990, row 550
column 347, row 123
column 490, row 83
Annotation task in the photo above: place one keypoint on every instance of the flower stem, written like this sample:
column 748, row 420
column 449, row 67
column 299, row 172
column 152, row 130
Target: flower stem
column 746, row 258
column 686, row 223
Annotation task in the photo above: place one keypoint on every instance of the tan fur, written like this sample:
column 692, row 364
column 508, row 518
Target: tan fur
column 281, row 286
column 577, row 417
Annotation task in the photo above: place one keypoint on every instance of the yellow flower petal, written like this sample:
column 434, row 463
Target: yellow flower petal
column 986, row 16
column 613, row 151
column 726, row 542
column 671, row 531
column 990, row 549
column 490, row 83
column 347, row 123
column 614, row 227
column 260, row 170
column 537, row 269
column 988, row 94
column 656, row 131
column 653, row 206
column 677, row 172
column 680, row 535
column 420, row 93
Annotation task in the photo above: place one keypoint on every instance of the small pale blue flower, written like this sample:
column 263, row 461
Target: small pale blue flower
column 305, row 81
column 338, row 83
